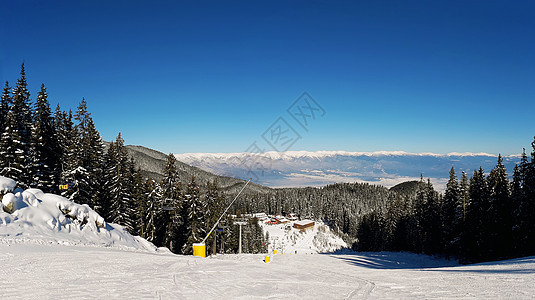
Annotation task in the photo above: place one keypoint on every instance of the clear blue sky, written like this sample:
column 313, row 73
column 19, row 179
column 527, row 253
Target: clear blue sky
column 212, row 76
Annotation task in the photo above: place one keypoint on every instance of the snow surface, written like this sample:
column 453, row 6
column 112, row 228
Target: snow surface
column 32, row 271
column 286, row 239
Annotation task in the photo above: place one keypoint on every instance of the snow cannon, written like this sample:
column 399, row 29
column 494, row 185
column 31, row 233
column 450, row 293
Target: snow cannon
column 274, row 251
column 267, row 259
column 199, row 249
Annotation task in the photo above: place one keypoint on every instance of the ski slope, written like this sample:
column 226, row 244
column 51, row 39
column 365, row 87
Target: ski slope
column 52, row 271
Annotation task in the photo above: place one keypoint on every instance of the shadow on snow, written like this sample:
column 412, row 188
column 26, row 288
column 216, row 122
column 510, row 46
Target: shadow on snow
column 406, row 260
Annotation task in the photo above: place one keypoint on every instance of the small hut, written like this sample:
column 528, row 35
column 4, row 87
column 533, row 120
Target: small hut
column 303, row 225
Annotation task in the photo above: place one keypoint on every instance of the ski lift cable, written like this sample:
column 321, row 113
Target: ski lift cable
column 216, row 223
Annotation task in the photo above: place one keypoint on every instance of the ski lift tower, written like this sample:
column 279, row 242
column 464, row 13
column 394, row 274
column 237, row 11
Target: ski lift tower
column 241, row 223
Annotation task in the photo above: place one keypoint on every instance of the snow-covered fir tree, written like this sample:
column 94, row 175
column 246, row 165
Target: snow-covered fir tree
column 46, row 168
column 476, row 225
column 155, row 227
column 119, row 184
column 526, row 204
column 174, row 216
column 22, row 115
column 67, row 138
column 86, row 157
column 452, row 214
column 13, row 164
column 501, row 212
column 214, row 207
column 195, row 221
column 5, row 104
column 140, row 202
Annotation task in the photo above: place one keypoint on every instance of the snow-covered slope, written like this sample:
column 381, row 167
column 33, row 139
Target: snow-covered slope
column 286, row 239
column 304, row 168
column 32, row 216
column 67, row 272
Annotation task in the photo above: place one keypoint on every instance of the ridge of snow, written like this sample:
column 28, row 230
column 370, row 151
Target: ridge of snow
column 322, row 154
column 36, row 217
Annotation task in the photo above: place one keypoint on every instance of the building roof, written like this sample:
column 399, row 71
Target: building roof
column 304, row 222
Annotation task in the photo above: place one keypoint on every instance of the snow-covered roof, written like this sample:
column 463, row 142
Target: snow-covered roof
column 304, row 222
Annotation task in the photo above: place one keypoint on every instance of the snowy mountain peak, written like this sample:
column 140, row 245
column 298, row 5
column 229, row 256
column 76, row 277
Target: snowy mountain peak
column 319, row 154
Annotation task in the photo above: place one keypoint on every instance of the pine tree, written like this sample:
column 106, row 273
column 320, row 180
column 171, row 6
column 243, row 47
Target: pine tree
column 23, row 121
column 370, row 233
column 6, row 157
column 67, row 138
column 500, row 214
column 10, row 145
column 119, row 174
column 46, row 158
column 464, row 194
column 417, row 234
column 89, row 158
column 173, row 218
column 214, row 207
column 5, row 104
column 156, row 222
column 528, row 203
column 392, row 217
column 452, row 215
column 196, row 216
column 516, row 203
column 139, row 197
column 432, row 242
column 476, row 224
column 465, row 202
column 257, row 243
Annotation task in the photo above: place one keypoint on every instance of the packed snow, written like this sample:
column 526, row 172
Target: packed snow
column 47, row 218
column 54, row 271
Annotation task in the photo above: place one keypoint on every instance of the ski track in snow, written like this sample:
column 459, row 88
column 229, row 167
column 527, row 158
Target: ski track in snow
column 45, row 271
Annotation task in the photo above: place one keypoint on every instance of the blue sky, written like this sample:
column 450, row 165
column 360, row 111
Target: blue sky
column 213, row 76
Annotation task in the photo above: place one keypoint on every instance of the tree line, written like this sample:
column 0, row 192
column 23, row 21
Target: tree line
column 49, row 151
column 481, row 218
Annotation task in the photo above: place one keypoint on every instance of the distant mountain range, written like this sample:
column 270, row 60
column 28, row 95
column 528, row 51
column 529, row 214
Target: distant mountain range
column 151, row 163
column 303, row 168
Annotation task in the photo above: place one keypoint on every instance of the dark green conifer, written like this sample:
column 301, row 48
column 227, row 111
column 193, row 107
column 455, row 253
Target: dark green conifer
column 46, row 167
